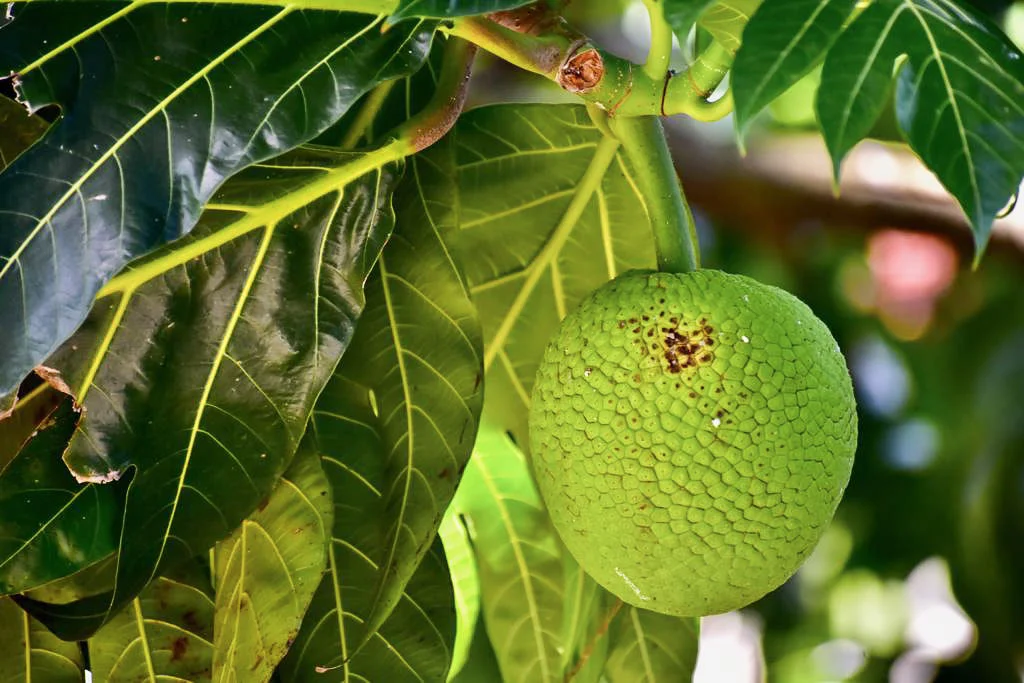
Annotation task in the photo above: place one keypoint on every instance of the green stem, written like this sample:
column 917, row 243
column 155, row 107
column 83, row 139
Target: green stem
column 675, row 234
column 660, row 53
column 431, row 123
column 616, row 85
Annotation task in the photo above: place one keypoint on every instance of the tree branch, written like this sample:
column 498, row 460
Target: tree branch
column 536, row 40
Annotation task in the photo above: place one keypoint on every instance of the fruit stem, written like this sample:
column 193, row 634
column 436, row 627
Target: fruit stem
column 675, row 234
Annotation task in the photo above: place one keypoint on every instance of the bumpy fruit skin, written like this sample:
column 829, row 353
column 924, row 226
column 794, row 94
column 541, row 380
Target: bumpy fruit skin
column 692, row 435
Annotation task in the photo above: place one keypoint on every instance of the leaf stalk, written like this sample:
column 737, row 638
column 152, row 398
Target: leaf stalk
column 675, row 233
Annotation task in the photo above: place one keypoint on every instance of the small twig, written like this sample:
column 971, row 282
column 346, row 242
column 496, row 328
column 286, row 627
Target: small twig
column 430, row 125
column 602, row 629
column 537, row 40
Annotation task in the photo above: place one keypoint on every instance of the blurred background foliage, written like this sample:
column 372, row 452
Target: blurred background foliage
column 921, row 576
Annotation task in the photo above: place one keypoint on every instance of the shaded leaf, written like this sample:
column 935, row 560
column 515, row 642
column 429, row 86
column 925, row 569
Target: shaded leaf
column 465, row 584
column 396, row 423
column 646, row 647
column 160, row 104
column 28, row 652
column 588, row 609
column 785, row 40
column 267, row 572
column 549, row 213
column 959, row 97
column 50, row 525
column 199, row 364
column 20, row 129
column 165, row 633
column 413, row 645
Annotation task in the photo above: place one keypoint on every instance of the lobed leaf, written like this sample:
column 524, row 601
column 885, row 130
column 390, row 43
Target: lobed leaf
column 267, row 572
column 395, row 425
column 160, row 104
column 959, row 97
column 28, row 652
column 784, row 42
column 199, row 365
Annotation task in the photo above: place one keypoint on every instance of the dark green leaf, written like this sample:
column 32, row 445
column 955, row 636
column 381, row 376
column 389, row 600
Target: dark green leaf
column 164, row 634
column 199, row 364
column 959, row 97
column 783, row 42
column 267, row 572
column 452, row 8
column 646, row 647
column 160, row 104
column 396, row 423
column 29, row 653
column 50, row 525
column 20, row 129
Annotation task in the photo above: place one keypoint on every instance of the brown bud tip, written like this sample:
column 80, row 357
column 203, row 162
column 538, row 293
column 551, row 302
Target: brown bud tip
column 582, row 72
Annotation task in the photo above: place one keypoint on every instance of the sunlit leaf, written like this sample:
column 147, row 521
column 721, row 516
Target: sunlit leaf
column 726, row 19
column 29, row 653
column 396, row 423
column 199, row 365
column 549, row 213
column 267, row 572
column 160, row 104
column 452, row 8
column 465, row 584
column 646, row 647
column 959, row 97
column 164, row 634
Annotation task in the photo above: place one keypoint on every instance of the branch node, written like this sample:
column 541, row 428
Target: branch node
column 582, row 72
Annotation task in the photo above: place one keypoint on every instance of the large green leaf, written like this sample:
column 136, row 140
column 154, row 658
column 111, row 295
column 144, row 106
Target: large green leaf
column 50, row 526
column 550, row 211
column 164, row 634
column 396, row 423
column 959, row 97
column 160, row 104
column 683, row 14
column 646, row 647
column 199, row 365
column 29, row 653
column 267, row 572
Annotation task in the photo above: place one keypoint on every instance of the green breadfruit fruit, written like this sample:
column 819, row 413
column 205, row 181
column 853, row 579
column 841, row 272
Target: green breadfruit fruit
column 692, row 435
